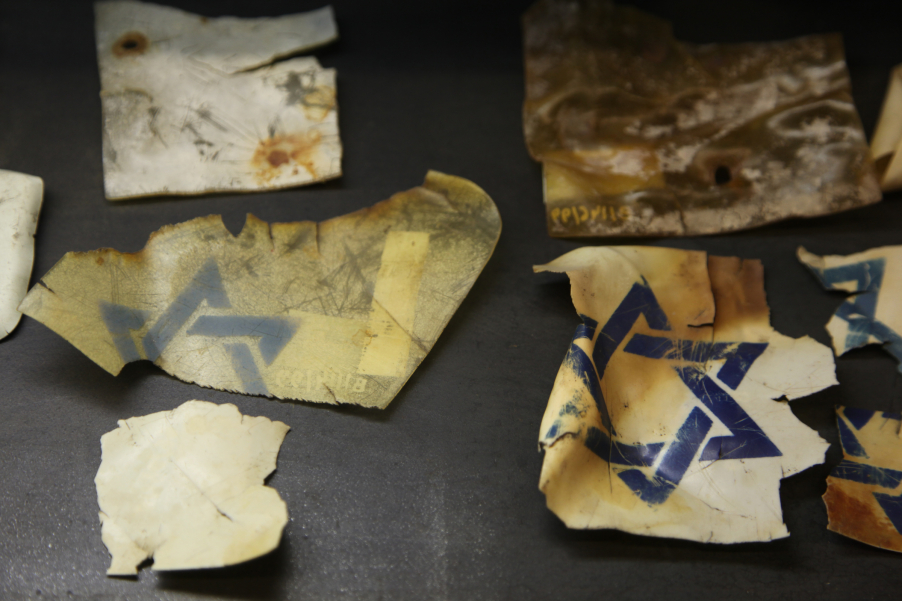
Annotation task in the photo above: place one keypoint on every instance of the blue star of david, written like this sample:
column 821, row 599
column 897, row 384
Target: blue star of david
column 746, row 440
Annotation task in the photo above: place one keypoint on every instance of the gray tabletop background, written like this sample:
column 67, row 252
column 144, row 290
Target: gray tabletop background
column 435, row 497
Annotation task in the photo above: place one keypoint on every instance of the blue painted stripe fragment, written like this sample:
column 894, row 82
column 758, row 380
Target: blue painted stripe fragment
column 621, row 454
column 892, row 507
column 120, row 321
column 858, row 417
column 274, row 332
column 867, row 474
column 206, row 285
column 640, row 300
column 847, row 439
column 587, row 328
column 246, row 369
column 580, row 363
column 675, row 462
column 748, row 441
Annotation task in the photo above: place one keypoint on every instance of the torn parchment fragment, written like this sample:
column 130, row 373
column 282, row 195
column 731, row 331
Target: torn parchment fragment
column 185, row 487
column 872, row 315
column 887, row 140
column 668, row 415
column 194, row 105
column 864, row 492
column 642, row 135
column 21, row 196
column 337, row 312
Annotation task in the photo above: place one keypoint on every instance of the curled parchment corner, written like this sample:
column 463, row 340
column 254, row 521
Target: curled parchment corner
column 194, row 104
column 341, row 311
column 871, row 314
column 885, row 145
column 864, row 492
column 640, row 134
column 668, row 416
column 185, row 488
column 21, row 196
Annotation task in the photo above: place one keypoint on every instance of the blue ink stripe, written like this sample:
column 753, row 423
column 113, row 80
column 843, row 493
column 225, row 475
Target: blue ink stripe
column 621, row 454
column 206, row 285
column 867, row 474
column 587, row 328
column 640, row 300
column 847, row 439
column 892, row 507
column 675, row 462
column 858, row 417
column 120, row 321
column 244, row 365
column 748, row 441
column 274, row 332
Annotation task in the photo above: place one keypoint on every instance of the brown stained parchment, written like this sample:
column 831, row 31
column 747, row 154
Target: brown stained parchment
column 864, row 492
column 640, row 134
column 341, row 311
column 667, row 417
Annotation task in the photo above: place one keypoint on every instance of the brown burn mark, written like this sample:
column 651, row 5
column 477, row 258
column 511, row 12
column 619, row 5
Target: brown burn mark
column 132, row 43
column 278, row 153
column 864, row 522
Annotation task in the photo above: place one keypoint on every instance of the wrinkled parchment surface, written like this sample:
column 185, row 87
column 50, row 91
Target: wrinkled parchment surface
column 185, row 487
column 337, row 312
column 642, row 135
column 864, row 492
column 665, row 418
column 872, row 314
column 21, row 196
column 194, row 105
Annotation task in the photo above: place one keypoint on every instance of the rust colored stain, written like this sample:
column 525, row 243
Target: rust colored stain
column 132, row 43
column 281, row 153
column 864, row 522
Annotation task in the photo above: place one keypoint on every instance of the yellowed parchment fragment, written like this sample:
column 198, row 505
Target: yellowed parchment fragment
column 185, row 487
column 337, row 312
column 887, row 139
column 193, row 104
column 668, row 416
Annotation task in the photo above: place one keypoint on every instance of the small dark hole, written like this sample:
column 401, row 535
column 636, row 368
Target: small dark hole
column 129, row 44
column 722, row 175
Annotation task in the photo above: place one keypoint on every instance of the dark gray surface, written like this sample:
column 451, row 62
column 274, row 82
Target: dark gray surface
column 435, row 497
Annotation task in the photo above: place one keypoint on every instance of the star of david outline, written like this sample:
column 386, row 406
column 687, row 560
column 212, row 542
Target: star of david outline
column 746, row 440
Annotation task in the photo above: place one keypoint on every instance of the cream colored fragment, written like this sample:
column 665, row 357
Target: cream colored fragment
column 872, row 314
column 887, row 140
column 194, row 105
column 338, row 312
column 20, row 204
column 668, row 415
column 185, row 487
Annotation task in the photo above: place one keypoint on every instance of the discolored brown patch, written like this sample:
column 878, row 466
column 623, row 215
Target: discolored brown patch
column 132, row 43
column 864, row 522
column 286, row 152
column 277, row 157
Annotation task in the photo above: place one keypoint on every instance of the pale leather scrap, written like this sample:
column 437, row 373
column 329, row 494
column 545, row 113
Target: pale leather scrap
column 185, row 487
column 871, row 314
column 664, row 418
column 887, row 141
column 640, row 134
column 864, row 492
column 337, row 312
column 21, row 196
column 193, row 104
